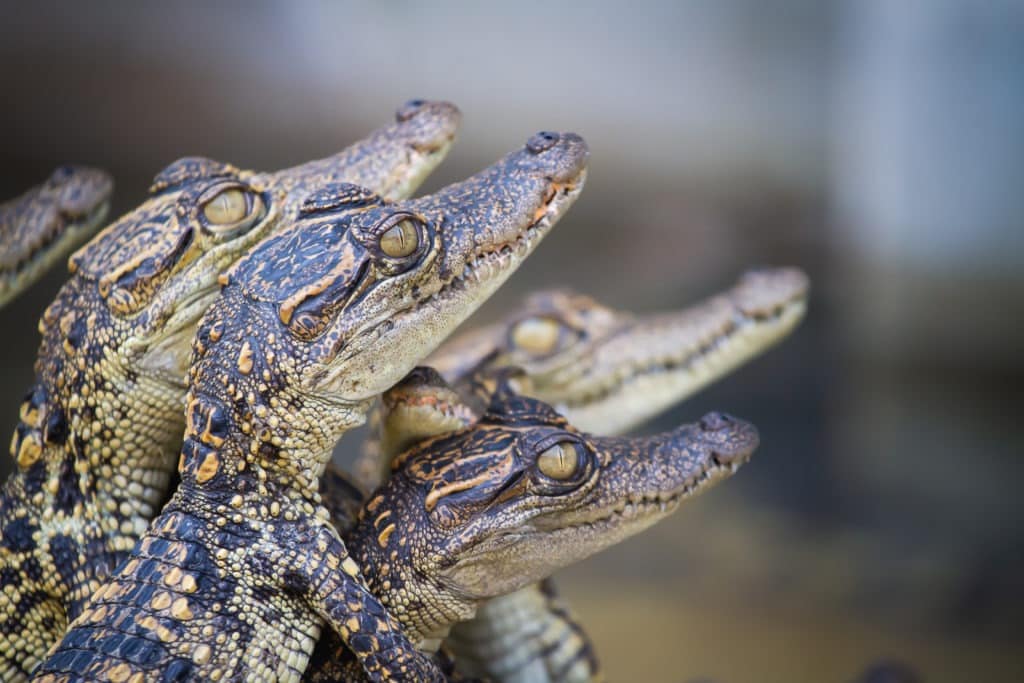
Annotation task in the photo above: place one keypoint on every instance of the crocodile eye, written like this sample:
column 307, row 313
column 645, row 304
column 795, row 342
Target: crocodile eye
column 400, row 240
column 227, row 208
column 561, row 461
column 536, row 336
column 230, row 210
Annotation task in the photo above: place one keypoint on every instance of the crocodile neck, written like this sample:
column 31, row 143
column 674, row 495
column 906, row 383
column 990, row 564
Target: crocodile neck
column 425, row 607
column 92, row 431
column 251, row 433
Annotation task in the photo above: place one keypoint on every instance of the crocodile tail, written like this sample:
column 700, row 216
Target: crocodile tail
column 529, row 635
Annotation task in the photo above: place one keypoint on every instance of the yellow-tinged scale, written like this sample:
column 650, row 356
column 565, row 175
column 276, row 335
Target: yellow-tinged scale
column 350, row 567
column 161, row 600
column 208, row 468
column 180, row 609
column 245, row 359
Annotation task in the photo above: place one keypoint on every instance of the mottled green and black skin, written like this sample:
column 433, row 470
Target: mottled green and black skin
column 477, row 513
column 607, row 371
column 41, row 226
column 100, row 430
column 236, row 577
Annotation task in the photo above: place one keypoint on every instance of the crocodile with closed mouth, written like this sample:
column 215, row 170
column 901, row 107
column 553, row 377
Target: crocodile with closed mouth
column 100, row 429
column 239, row 573
column 607, row 371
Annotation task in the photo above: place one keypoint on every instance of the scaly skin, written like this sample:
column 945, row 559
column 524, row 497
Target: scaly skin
column 238, row 574
column 41, row 226
column 481, row 512
column 607, row 371
column 101, row 428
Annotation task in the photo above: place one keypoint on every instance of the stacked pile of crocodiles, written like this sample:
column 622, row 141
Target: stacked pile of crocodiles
column 264, row 314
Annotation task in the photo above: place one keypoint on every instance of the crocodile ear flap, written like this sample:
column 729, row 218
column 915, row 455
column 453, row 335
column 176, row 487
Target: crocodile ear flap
column 337, row 196
column 188, row 169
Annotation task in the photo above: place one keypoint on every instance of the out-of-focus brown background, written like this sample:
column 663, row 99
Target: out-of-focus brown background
column 878, row 145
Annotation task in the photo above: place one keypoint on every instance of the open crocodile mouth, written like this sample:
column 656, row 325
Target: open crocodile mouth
column 436, row 405
column 738, row 338
column 50, row 245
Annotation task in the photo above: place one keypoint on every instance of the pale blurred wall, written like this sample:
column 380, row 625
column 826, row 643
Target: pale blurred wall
column 877, row 145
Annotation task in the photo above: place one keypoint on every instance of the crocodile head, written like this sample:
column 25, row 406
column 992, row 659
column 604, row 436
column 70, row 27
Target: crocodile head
column 504, row 502
column 155, row 269
column 608, row 370
column 45, row 223
column 346, row 301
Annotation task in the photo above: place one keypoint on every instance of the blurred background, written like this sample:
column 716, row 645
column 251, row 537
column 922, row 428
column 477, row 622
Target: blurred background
column 877, row 145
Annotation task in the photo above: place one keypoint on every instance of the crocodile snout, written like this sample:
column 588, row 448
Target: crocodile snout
column 560, row 156
column 714, row 422
column 409, row 110
column 732, row 440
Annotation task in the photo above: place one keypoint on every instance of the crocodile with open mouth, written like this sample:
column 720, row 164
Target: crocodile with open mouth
column 42, row 225
column 238, row 574
column 479, row 512
column 100, row 429
column 607, row 371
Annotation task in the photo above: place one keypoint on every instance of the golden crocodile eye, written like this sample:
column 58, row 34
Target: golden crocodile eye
column 400, row 240
column 561, row 461
column 227, row 208
column 536, row 336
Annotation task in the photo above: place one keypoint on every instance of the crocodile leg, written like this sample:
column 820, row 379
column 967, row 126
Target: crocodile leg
column 515, row 495
column 607, row 371
column 306, row 329
column 41, row 226
column 100, row 430
column 526, row 636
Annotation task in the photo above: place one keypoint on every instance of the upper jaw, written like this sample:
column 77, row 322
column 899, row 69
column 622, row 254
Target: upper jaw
column 500, row 214
column 641, row 481
column 645, row 478
column 655, row 361
column 392, row 161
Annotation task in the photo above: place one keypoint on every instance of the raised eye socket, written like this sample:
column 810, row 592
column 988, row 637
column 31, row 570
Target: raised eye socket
column 400, row 240
column 561, row 461
column 536, row 336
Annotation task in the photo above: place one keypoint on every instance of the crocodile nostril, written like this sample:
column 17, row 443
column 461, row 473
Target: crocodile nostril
column 713, row 422
column 541, row 141
column 62, row 173
column 409, row 110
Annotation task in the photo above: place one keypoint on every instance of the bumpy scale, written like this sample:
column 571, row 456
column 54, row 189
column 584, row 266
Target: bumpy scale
column 483, row 511
column 607, row 371
column 100, row 430
column 242, row 568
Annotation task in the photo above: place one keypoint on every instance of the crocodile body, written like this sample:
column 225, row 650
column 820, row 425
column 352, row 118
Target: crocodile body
column 238, row 574
column 480, row 512
column 607, row 371
column 100, row 430
column 42, row 225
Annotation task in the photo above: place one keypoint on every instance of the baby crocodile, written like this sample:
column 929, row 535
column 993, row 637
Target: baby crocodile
column 101, row 428
column 41, row 226
column 504, row 502
column 237, row 575
column 607, row 371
